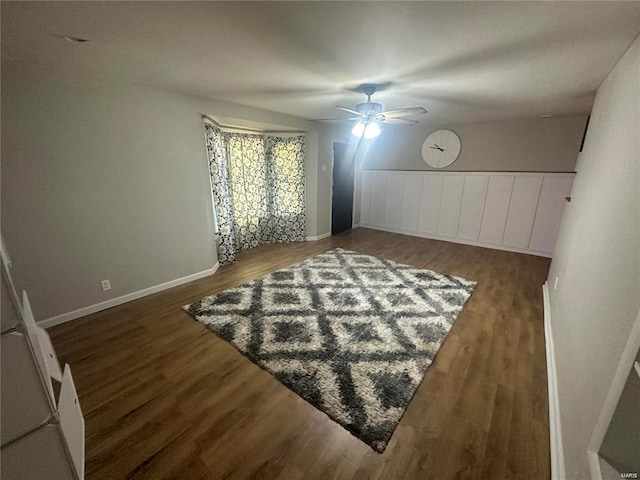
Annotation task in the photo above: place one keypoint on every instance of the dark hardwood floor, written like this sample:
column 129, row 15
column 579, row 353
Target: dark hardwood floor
column 165, row 398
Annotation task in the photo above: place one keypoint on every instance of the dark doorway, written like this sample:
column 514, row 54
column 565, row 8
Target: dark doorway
column 342, row 200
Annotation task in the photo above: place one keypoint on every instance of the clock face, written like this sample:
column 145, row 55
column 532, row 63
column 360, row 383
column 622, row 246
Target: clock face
column 441, row 148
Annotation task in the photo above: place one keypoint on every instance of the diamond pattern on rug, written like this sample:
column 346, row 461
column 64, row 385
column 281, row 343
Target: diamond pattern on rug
column 424, row 333
column 233, row 328
column 276, row 298
column 344, row 299
column 350, row 333
column 330, row 276
column 363, row 334
column 388, row 387
column 284, row 277
column 377, row 277
column 238, row 299
column 287, row 334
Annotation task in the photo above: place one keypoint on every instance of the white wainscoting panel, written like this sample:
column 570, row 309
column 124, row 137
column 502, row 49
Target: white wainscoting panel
column 522, row 209
column 496, row 207
column 547, row 222
column 430, row 205
column 365, row 196
column 450, row 205
column 395, row 201
column 516, row 211
column 473, row 195
column 411, row 203
column 379, row 198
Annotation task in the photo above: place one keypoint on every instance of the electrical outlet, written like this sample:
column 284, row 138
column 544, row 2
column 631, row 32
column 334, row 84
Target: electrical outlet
column 555, row 283
column 106, row 285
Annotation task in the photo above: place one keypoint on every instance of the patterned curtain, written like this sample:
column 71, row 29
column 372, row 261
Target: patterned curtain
column 285, row 180
column 258, row 189
column 219, row 170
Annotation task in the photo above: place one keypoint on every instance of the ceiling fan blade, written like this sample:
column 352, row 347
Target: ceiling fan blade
column 399, row 121
column 336, row 119
column 350, row 110
column 404, row 112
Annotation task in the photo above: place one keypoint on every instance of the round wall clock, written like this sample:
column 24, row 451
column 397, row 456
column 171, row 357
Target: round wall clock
column 441, row 148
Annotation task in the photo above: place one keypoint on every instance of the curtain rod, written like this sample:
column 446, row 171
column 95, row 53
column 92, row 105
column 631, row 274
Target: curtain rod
column 246, row 129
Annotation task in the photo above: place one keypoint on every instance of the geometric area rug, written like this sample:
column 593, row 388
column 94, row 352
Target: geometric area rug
column 350, row 333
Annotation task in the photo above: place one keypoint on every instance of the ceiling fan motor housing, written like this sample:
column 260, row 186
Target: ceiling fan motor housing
column 368, row 108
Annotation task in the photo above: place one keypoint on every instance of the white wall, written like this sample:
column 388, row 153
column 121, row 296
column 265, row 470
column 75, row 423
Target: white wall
column 597, row 261
column 103, row 179
column 530, row 144
column 524, row 145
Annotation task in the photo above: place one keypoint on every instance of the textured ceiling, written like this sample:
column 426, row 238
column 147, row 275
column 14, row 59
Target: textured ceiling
column 463, row 61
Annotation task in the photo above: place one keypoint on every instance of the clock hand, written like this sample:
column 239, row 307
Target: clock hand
column 435, row 148
column 441, row 149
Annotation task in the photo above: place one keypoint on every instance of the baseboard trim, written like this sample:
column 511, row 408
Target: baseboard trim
column 81, row 312
column 458, row 240
column 318, row 237
column 555, row 427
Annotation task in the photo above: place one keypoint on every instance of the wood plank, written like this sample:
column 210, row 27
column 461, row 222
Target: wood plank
column 166, row 398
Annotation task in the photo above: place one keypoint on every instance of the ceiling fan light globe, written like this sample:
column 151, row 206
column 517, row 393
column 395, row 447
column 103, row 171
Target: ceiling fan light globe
column 358, row 129
column 372, row 130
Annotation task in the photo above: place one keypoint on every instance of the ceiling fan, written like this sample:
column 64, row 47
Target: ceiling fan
column 370, row 114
